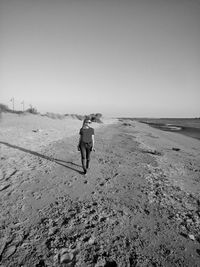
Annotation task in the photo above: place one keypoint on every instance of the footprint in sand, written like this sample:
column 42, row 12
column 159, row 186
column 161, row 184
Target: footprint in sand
column 36, row 195
column 4, row 186
column 69, row 183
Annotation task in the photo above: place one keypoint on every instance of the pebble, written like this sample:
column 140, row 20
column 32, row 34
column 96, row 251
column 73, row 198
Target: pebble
column 36, row 130
column 100, row 263
column 9, row 251
column 191, row 237
column 52, row 230
column 4, row 186
column 175, row 148
column 91, row 240
column 66, row 258
column 64, row 250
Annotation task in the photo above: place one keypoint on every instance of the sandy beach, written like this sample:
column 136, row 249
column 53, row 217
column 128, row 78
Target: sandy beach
column 139, row 205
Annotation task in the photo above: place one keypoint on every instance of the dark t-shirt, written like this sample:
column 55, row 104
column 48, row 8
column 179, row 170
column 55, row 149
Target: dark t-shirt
column 86, row 134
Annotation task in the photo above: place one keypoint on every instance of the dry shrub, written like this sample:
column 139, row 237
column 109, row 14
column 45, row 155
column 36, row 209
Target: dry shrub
column 96, row 117
column 75, row 116
column 54, row 115
column 3, row 108
column 80, row 117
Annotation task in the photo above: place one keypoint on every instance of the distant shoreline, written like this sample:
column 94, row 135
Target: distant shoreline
column 188, row 127
column 188, row 131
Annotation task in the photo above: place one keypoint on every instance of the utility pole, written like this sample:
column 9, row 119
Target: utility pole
column 13, row 102
column 23, row 105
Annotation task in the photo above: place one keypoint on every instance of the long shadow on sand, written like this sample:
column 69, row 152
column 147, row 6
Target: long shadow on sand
column 60, row 160
column 57, row 161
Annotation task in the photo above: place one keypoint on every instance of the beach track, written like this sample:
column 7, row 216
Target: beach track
column 139, row 204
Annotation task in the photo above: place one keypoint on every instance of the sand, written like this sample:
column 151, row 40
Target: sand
column 139, row 205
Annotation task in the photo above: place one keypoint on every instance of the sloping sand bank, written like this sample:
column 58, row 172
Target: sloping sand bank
column 138, row 206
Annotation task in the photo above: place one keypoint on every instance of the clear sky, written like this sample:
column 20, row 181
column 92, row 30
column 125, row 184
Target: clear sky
column 117, row 57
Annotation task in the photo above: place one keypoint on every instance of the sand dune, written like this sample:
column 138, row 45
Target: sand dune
column 37, row 131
